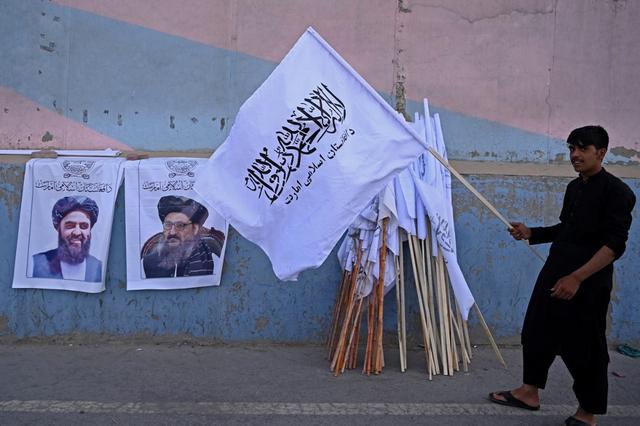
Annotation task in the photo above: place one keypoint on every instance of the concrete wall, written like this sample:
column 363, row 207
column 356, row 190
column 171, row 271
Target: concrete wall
column 509, row 78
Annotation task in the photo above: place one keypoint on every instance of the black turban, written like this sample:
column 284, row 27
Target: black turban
column 196, row 212
column 66, row 205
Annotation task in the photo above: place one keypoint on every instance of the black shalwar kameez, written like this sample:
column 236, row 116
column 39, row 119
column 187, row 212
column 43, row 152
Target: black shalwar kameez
column 596, row 212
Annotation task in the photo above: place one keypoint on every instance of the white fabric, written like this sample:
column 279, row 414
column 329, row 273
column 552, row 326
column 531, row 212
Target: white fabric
column 45, row 182
column 74, row 272
column 308, row 150
column 387, row 208
column 367, row 227
column 445, row 174
column 418, row 167
column 146, row 182
column 435, row 203
column 433, row 183
column 404, row 220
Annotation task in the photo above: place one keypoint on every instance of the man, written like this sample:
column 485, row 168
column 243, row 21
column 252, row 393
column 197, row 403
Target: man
column 73, row 218
column 567, row 311
column 185, row 247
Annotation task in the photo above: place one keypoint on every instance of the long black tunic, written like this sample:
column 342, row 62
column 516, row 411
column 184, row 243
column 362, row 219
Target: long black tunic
column 596, row 212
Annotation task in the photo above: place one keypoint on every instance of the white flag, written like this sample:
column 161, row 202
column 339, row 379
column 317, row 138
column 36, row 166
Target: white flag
column 308, row 150
column 434, row 201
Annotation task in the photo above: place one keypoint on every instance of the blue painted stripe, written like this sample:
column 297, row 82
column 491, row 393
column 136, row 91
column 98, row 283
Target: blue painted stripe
column 472, row 138
column 156, row 91
column 145, row 88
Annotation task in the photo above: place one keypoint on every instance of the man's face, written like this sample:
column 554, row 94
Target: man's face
column 74, row 236
column 586, row 160
column 178, row 229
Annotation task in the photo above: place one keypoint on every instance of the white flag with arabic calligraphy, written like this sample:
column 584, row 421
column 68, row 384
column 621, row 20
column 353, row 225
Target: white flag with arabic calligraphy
column 308, row 150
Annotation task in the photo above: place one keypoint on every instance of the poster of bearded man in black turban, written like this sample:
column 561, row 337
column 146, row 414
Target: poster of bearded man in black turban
column 73, row 218
column 185, row 247
column 174, row 239
column 66, row 217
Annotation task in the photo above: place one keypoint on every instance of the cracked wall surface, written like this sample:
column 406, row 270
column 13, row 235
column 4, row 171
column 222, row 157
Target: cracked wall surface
column 541, row 66
column 509, row 79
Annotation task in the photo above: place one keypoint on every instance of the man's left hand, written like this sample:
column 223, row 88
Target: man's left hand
column 565, row 288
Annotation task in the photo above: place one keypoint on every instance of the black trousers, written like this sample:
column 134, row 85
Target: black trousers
column 590, row 381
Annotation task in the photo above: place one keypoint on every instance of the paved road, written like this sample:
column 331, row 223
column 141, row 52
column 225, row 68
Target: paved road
column 180, row 384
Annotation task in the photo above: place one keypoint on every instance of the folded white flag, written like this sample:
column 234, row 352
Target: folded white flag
column 308, row 150
column 435, row 203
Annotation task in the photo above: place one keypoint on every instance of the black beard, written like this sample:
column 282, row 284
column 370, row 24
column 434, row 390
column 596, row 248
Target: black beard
column 73, row 256
column 170, row 257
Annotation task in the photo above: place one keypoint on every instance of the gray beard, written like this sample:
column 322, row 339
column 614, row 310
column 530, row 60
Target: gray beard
column 74, row 257
column 170, row 257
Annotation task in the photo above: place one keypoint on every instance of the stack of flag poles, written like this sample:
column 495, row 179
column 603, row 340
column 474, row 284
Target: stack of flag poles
column 301, row 136
column 411, row 217
column 445, row 335
column 361, row 293
column 346, row 319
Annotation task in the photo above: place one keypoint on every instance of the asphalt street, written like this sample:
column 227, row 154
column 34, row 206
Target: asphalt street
column 183, row 383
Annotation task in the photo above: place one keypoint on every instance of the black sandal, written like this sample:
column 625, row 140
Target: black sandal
column 512, row 401
column 572, row 421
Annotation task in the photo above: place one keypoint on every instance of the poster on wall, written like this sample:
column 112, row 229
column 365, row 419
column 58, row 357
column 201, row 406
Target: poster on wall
column 66, row 217
column 175, row 240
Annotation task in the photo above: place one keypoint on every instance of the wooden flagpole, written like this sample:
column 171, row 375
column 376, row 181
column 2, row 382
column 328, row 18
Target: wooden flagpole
column 490, row 336
column 423, row 320
column 479, row 196
column 337, row 313
column 400, row 309
column 382, row 258
column 430, row 300
column 339, row 355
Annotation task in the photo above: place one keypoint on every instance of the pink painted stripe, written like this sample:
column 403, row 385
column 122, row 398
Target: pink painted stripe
column 545, row 68
column 26, row 125
column 205, row 21
column 361, row 31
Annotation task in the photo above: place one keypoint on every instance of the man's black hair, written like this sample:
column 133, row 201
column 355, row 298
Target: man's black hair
column 589, row 135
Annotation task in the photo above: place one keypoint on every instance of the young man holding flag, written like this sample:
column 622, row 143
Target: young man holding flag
column 567, row 311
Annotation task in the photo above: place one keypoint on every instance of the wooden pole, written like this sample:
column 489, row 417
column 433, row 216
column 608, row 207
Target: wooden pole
column 337, row 313
column 366, row 369
column 461, row 324
column 430, row 299
column 450, row 324
column 382, row 258
column 457, row 326
column 479, row 196
column 353, row 338
column 428, row 302
column 441, row 319
column 463, row 353
column 403, row 294
column 400, row 311
column 467, row 340
column 339, row 354
column 490, row 336
column 423, row 320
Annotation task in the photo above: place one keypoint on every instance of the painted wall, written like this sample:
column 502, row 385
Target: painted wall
column 509, row 78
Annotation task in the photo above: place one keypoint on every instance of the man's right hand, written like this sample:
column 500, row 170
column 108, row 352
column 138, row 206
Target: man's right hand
column 519, row 231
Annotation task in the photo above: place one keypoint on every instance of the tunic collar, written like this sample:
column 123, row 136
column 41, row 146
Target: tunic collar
column 595, row 177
